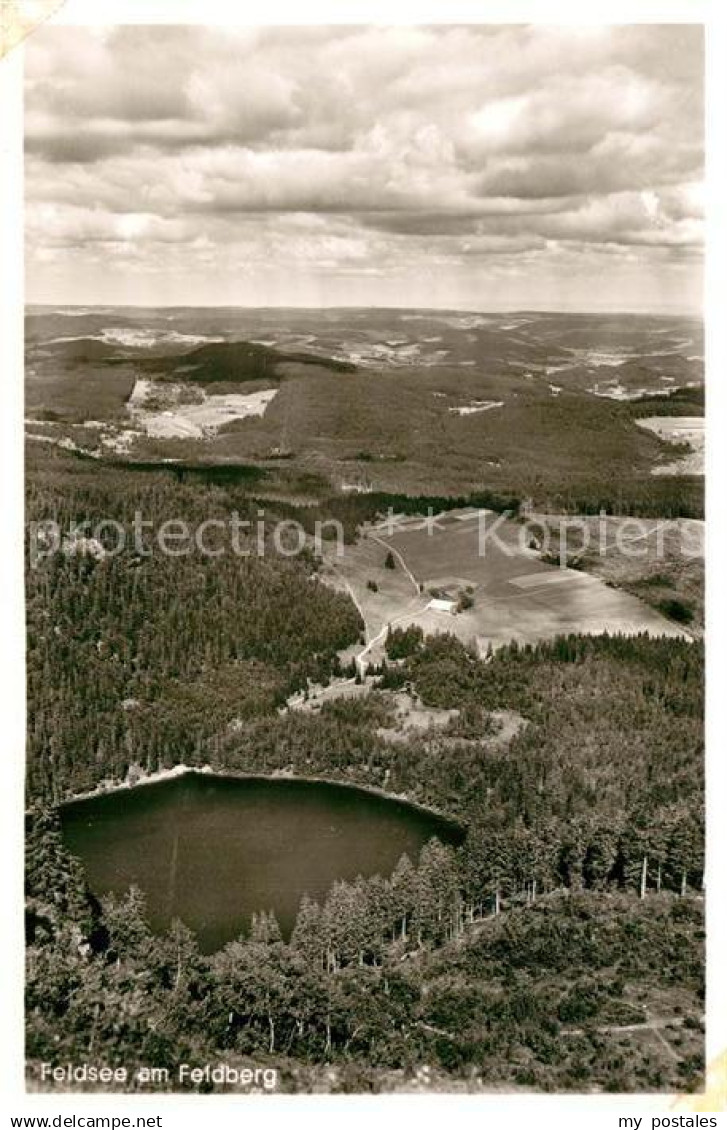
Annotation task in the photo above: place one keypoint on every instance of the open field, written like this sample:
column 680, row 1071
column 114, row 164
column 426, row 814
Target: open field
column 393, row 599
column 689, row 430
column 169, row 412
column 661, row 562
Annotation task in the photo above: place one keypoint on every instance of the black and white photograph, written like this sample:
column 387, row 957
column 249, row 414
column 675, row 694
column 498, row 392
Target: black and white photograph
column 364, row 479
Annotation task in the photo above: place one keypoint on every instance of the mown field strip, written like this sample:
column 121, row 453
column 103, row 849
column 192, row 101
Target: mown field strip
column 535, row 580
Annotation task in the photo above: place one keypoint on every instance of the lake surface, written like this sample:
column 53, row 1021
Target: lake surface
column 212, row 850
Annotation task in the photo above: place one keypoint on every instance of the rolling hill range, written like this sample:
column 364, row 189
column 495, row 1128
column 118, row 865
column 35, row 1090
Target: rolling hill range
column 540, row 404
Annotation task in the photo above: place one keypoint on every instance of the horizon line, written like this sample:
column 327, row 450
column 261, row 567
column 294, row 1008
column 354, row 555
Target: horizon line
column 605, row 312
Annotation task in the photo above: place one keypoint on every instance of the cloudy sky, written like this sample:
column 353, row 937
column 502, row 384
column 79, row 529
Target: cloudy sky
column 479, row 167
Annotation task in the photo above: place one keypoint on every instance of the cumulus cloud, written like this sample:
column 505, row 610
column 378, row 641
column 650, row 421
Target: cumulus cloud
column 319, row 153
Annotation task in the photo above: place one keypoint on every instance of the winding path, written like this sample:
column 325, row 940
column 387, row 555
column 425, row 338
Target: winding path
column 390, row 548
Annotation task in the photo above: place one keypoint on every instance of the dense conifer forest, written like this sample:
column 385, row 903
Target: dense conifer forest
column 384, row 986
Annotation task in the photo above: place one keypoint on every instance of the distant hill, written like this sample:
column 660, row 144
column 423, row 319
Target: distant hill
column 687, row 401
column 237, row 361
column 80, row 349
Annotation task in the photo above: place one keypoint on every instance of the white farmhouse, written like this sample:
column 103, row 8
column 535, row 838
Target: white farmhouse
column 439, row 604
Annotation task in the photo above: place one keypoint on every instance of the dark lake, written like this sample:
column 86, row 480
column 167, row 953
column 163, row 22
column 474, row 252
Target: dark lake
column 212, row 850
